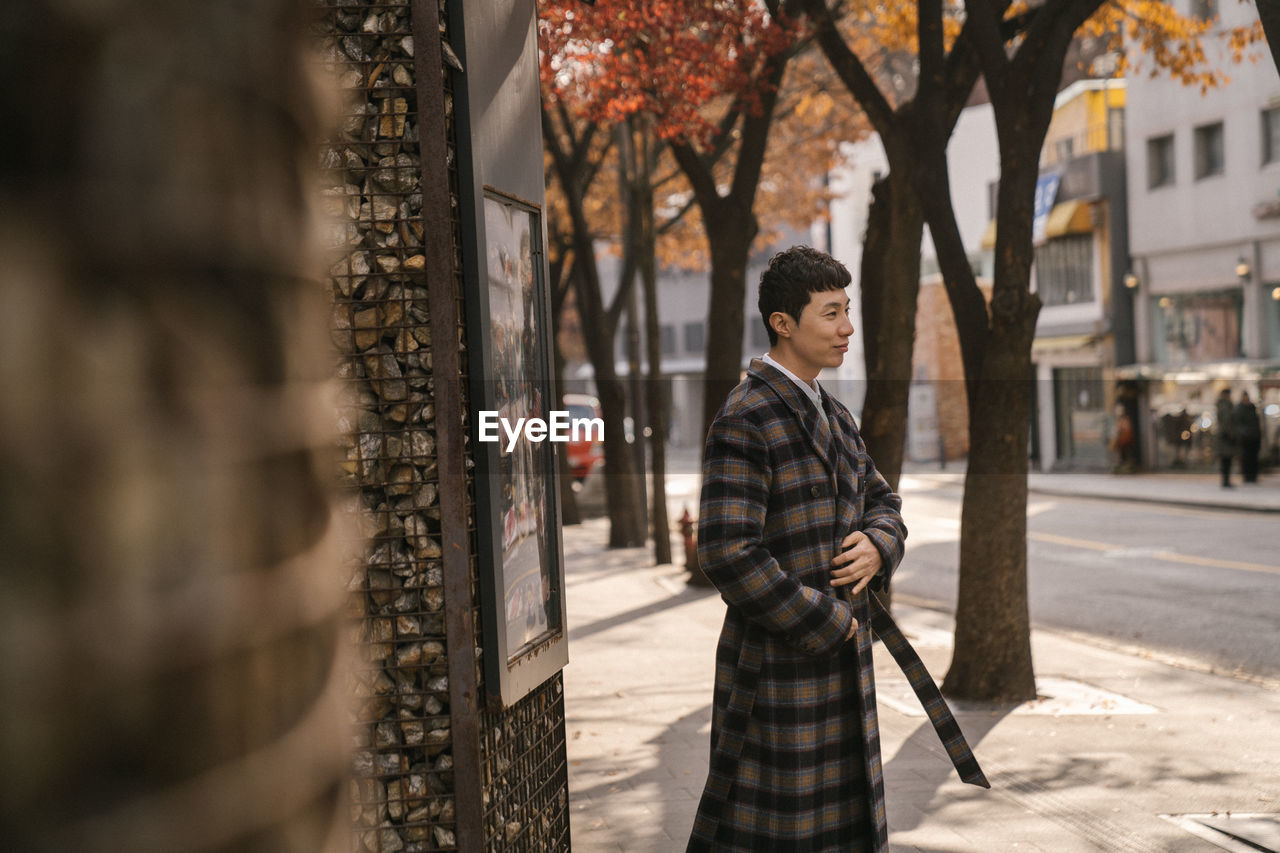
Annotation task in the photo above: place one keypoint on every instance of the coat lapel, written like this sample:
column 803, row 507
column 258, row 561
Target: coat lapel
column 800, row 407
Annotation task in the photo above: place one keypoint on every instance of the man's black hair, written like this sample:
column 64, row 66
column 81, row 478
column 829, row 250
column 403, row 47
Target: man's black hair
column 791, row 277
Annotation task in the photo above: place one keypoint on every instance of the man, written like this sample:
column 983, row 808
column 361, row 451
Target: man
column 796, row 527
column 1249, row 435
column 1224, row 435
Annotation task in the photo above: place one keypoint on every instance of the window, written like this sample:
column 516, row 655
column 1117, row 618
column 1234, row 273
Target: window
column 1080, row 415
column 695, row 337
column 1204, row 9
column 1209, row 152
column 993, row 191
column 1064, row 149
column 1115, row 128
column 1198, row 327
column 1271, row 135
column 1160, row 161
column 668, row 334
column 1064, row 270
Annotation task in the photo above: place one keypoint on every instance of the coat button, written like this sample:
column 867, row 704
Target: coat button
column 815, row 491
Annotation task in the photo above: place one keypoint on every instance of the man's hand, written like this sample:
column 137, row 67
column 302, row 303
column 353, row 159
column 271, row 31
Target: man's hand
column 857, row 564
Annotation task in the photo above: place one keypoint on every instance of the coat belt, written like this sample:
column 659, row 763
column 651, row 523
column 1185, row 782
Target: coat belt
column 928, row 693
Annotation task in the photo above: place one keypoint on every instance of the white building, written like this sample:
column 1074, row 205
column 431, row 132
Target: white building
column 682, row 311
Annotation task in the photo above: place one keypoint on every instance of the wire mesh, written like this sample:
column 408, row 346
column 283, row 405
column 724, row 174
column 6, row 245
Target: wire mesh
column 401, row 790
column 401, row 786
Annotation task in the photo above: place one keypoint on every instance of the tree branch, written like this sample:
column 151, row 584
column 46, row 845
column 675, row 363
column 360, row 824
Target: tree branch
column 698, row 174
column 1042, row 53
column 849, row 68
column 674, row 220
column 932, row 53
column 988, row 39
column 755, row 134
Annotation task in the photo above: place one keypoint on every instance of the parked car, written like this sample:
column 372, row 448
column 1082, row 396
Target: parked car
column 585, row 453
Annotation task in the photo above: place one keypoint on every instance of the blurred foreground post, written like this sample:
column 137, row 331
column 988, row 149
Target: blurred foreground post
column 169, row 580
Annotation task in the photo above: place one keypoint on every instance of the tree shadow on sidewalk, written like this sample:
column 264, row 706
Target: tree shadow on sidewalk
column 650, row 810
column 691, row 593
column 918, row 770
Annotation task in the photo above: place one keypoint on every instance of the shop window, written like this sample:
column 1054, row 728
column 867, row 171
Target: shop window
column 1271, row 135
column 1273, row 318
column 1209, row 150
column 1198, row 327
column 1064, row 270
column 1080, row 416
column 1160, row 170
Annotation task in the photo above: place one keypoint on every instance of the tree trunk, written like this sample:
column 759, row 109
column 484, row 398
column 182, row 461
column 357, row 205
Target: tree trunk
column 559, row 274
column 890, row 284
column 621, row 478
column 635, row 197
column 656, row 398
column 730, row 234
column 731, row 227
column 1269, row 13
column 622, row 498
column 992, row 657
column 569, row 513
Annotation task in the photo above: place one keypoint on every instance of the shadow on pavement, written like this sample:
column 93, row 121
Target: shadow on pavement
column 690, row 593
column 921, row 766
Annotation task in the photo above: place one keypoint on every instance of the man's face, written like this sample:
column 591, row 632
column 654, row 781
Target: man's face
column 821, row 337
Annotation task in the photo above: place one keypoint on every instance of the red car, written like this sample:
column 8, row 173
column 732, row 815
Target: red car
column 585, row 453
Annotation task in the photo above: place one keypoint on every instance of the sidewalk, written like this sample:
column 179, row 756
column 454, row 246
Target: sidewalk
column 1193, row 489
column 1116, row 743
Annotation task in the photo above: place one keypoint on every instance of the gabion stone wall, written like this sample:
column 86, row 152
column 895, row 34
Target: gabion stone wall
column 403, row 787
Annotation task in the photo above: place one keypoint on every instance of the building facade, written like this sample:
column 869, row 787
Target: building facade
column 1081, row 255
column 1204, row 194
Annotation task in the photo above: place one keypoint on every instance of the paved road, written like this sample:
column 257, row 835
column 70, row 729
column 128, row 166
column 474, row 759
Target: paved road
column 1199, row 586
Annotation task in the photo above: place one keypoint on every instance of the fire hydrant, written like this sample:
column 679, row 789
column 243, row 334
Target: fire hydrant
column 696, row 577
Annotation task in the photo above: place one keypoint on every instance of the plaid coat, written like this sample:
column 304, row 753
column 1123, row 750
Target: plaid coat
column 795, row 746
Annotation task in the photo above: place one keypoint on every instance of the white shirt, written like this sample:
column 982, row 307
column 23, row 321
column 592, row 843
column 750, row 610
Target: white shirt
column 810, row 391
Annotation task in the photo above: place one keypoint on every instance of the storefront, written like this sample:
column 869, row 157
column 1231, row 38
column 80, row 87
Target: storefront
column 1177, row 409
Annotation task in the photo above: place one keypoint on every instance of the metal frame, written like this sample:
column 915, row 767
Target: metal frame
column 446, row 369
column 489, row 170
column 514, row 668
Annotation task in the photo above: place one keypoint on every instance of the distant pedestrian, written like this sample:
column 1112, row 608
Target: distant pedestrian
column 1224, row 435
column 1124, row 442
column 1249, row 435
column 796, row 529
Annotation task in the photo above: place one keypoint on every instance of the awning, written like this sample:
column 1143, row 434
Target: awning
column 1070, row 217
column 1058, row 343
column 1250, row 370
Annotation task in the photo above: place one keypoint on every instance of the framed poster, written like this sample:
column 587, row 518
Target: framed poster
column 518, row 519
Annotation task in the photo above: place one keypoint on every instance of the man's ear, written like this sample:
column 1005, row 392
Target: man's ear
column 781, row 323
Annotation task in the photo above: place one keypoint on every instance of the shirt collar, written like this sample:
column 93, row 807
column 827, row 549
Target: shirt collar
column 810, row 391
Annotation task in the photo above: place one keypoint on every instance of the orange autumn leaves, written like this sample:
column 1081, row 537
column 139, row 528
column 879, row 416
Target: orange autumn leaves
column 669, row 59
